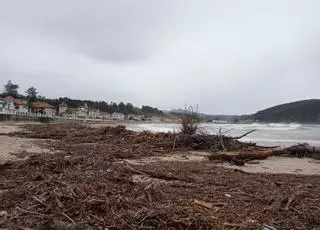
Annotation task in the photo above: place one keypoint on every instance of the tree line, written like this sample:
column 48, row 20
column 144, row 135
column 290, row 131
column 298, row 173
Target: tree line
column 31, row 94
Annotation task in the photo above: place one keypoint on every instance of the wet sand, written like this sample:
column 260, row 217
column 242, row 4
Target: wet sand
column 304, row 166
column 15, row 148
column 272, row 165
column 6, row 128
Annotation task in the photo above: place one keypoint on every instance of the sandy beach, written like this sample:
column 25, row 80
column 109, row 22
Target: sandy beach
column 145, row 182
column 14, row 148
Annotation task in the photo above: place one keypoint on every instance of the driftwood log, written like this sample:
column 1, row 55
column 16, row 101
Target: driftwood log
column 261, row 153
column 299, row 150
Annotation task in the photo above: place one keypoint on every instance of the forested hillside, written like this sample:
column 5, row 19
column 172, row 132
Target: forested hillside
column 306, row 111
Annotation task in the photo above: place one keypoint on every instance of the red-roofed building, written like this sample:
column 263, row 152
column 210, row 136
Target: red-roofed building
column 43, row 108
column 6, row 106
column 9, row 98
column 21, row 106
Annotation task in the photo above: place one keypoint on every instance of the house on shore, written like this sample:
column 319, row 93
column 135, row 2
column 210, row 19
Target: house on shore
column 21, row 106
column 118, row 116
column 106, row 116
column 94, row 113
column 71, row 112
column 10, row 98
column 4, row 106
column 82, row 112
column 13, row 106
column 43, row 108
column 7, row 105
column 62, row 109
column 135, row 117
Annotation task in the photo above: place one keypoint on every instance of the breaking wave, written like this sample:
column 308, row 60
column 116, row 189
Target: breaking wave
column 258, row 126
column 276, row 126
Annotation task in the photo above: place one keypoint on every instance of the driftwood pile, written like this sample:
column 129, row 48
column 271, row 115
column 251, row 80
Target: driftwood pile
column 230, row 149
column 207, row 142
column 86, row 185
column 224, row 147
column 119, row 135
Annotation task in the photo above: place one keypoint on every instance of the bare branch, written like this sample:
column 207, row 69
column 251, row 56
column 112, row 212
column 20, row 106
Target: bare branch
column 247, row 133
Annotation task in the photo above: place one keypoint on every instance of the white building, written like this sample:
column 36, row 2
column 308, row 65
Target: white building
column 82, row 111
column 118, row 116
column 7, row 106
column 106, row 116
column 94, row 113
column 134, row 117
column 3, row 105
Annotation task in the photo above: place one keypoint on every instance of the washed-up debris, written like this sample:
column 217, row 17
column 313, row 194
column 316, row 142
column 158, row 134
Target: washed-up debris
column 299, row 150
column 87, row 183
column 60, row 225
column 214, row 143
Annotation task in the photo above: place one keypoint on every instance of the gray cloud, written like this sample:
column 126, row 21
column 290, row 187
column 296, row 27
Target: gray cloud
column 227, row 56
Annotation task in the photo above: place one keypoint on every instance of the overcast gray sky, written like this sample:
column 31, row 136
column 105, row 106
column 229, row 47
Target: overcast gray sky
column 228, row 56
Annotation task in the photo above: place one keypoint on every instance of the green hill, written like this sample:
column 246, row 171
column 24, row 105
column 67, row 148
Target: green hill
column 306, row 111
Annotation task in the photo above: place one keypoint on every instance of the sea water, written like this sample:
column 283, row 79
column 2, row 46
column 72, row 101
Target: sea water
column 267, row 134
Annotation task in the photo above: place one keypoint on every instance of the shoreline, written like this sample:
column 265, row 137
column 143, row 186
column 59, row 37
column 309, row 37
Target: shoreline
column 18, row 148
column 278, row 134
